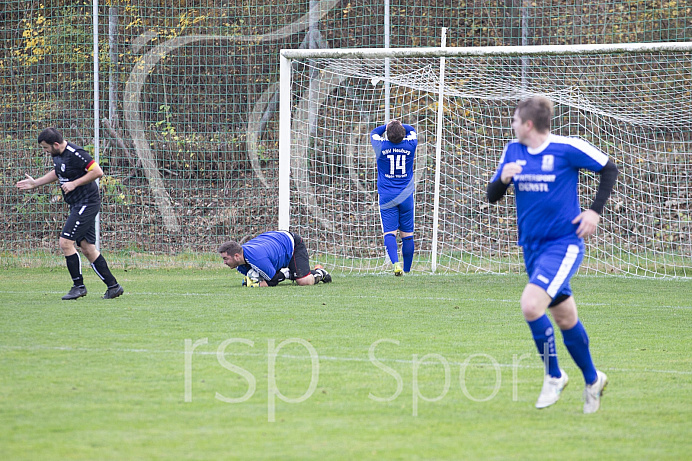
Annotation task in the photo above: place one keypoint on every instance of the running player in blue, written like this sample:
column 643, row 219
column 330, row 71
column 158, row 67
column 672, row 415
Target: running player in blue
column 544, row 169
column 77, row 172
column 395, row 149
column 270, row 254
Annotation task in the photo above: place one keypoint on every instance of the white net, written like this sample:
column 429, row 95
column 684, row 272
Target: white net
column 636, row 107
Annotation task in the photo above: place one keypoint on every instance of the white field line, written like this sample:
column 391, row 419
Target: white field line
column 350, row 296
column 321, row 357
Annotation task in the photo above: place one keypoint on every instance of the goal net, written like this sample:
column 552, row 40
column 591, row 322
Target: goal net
column 633, row 102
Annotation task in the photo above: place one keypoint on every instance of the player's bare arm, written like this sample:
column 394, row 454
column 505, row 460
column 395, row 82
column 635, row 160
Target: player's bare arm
column 588, row 222
column 30, row 183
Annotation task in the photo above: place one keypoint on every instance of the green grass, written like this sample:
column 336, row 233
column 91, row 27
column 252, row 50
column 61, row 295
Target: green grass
column 106, row 379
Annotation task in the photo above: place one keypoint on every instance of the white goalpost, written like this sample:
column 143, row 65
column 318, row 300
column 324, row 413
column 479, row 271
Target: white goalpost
column 633, row 101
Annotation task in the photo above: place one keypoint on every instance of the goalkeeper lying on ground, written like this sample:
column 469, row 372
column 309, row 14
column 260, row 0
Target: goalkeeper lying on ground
column 269, row 253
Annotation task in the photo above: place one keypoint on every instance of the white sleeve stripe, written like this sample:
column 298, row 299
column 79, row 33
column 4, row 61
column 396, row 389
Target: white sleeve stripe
column 290, row 236
column 585, row 147
column 262, row 274
column 504, row 152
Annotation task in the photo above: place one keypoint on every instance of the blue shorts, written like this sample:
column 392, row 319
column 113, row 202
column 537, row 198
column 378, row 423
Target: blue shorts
column 397, row 216
column 551, row 266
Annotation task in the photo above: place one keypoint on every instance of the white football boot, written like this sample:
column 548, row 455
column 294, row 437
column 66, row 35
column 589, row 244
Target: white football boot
column 593, row 392
column 552, row 388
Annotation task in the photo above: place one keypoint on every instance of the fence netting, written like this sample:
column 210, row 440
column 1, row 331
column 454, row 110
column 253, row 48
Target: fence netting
column 188, row 103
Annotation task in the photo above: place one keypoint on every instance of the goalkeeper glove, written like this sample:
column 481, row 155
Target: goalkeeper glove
column 248, row 282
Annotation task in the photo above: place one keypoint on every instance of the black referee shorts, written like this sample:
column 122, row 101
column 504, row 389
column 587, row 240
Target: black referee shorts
column 81, row 223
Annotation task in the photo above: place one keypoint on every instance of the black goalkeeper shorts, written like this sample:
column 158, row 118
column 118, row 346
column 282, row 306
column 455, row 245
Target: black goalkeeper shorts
column 300, row 262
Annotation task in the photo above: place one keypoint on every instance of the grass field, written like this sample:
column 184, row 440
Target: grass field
column 189, row 365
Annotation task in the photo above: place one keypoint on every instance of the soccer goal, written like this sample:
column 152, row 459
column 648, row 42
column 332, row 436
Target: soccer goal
column 633, row 101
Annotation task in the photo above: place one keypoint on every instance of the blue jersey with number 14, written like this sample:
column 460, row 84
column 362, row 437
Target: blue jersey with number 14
column 546, row 189
column 394, row 163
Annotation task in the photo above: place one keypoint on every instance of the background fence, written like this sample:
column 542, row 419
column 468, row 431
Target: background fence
column 189, row 101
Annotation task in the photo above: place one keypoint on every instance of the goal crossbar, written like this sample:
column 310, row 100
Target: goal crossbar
column 528, row 50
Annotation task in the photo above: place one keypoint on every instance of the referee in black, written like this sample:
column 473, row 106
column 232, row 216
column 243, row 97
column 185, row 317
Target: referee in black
column 77, row 172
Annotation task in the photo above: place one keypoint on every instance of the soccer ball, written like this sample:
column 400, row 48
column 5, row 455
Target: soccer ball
column 252, row 279
column 253, row 275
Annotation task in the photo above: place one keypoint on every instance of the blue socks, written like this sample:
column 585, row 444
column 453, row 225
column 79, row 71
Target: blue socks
column 544, row 336
column 577, row 343
column 390, row 245
column 407, row 248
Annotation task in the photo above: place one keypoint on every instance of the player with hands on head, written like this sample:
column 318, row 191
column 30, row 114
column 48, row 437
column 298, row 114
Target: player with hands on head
column 76, row 172
column 544, row 169
column 395, row 149
column 275, row 256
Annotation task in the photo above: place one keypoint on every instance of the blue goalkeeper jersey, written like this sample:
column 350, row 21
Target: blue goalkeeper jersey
column 394, row 164
column 267, row 253
column 546, row 189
